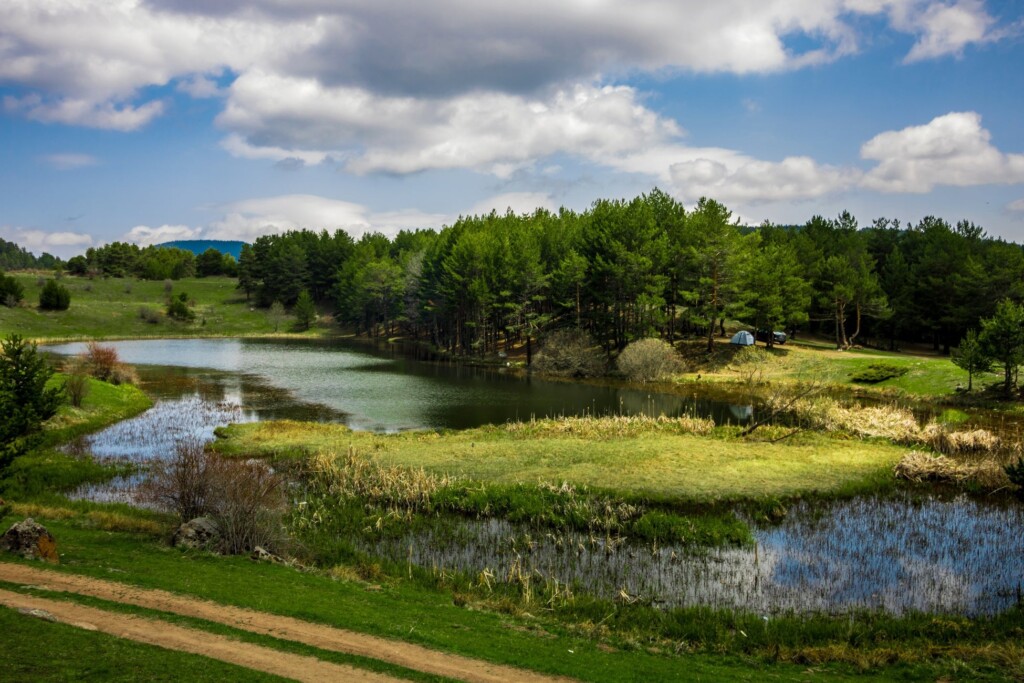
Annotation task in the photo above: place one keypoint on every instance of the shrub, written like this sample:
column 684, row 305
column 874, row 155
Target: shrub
column 244, row 498
column 11, row 291
column 101, row 360
column 878, row 372
column 571, row 353
column 178, row 309
column 647, row 360
column 149, row 315
column 76, row 385
column 54, row 297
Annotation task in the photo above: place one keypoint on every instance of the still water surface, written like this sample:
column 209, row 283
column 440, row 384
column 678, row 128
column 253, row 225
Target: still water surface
column 383, row 389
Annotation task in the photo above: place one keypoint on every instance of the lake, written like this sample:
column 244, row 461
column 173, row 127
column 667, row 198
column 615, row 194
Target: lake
column 379, row 388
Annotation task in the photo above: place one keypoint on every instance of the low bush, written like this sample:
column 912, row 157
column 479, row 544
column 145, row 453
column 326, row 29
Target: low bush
column 100, row 360
column 244, row 498
column 76, row 384
column 570, row 353
column 149, row 315
column 11, row 291
column 647, row 360
column 178, row 308
column 878, row 372
column 54, row 297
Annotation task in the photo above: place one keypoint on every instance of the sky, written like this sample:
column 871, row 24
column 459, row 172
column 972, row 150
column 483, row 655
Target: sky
column 152, row 120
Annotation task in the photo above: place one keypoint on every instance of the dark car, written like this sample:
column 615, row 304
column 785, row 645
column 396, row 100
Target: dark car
column 778, row 337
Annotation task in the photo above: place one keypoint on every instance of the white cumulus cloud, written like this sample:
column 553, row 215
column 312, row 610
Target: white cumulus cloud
column 953, row 149
column 144, row 235
column 61, row 243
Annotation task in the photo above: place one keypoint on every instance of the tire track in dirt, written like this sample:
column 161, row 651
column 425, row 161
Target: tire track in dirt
column 173, row 637
column 410, row 656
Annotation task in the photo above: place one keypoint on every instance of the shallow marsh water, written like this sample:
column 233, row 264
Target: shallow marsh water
column 944, row 555
column 896, row 554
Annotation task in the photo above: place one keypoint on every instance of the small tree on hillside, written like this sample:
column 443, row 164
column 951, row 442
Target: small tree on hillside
column 276, row 315
column 972, row 357
column 1002, row 337
column 54, row 297
column 11, row 291
column 304, row 310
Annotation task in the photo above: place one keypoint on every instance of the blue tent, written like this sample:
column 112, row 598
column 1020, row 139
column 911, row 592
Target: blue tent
column 742, row 338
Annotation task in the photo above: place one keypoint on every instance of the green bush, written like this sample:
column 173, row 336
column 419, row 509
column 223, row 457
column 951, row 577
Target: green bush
column 178, row 308
column 11, row 291
column 878, row 372
column 646, row 360
column 54, row 297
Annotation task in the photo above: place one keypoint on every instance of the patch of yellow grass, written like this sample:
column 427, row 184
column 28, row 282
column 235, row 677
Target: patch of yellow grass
column 100, row 519
column 919, row 467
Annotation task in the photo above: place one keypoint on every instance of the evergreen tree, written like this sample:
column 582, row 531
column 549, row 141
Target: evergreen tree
column 54, row 297
column 25, row 400
column 304, row 310
column 972, row 357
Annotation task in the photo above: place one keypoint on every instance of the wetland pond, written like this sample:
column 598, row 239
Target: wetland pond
column 900, row 553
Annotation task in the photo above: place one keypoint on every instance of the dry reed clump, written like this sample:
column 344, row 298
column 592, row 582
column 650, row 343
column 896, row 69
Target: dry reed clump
column 611, row 426
column 960, row 443
column 920, row 467
column 890, row 422
column 895, row 423
column 399, row 490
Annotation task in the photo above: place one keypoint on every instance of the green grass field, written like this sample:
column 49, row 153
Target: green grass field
column 653, row 463
column 927, row 376
column 110, row 308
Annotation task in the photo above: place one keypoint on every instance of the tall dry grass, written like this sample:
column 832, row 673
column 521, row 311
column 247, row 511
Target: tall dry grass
column 610, row 426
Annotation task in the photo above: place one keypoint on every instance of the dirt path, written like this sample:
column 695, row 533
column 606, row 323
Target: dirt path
column 163, row 634
column 286, row 628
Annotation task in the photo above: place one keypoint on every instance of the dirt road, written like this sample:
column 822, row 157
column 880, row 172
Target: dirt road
column 286, row 628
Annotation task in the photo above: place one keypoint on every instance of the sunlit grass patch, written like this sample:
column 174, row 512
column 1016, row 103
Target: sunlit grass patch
column 650, row 461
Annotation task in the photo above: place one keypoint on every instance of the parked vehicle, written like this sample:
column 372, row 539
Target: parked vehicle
column 779, row 337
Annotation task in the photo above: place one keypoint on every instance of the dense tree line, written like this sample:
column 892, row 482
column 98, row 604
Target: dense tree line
column 13, row 257
column 624, row 270
column 121, row 259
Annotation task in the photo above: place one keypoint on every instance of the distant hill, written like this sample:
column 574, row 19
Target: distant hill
column 233, row 247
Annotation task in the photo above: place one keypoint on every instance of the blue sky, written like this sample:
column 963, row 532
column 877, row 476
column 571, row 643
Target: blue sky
column 149, row 120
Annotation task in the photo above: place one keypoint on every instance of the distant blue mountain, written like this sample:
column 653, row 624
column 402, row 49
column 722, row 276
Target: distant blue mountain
column 233, row 247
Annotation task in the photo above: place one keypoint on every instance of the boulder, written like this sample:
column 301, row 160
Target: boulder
column 201, row 533
column 31, row 540
column 261, row 554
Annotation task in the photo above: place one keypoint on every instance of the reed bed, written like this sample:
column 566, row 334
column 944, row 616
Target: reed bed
column 920, row 467
column 389, row 499
column 610, row 426
column 901, row 555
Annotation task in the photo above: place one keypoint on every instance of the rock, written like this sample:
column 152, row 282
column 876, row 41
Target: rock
column 31, row 540
column 261, row 554
column 200, row 533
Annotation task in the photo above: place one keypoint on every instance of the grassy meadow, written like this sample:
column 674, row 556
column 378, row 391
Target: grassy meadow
column 650, row 462
column 111, row 308
column 927, row 376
